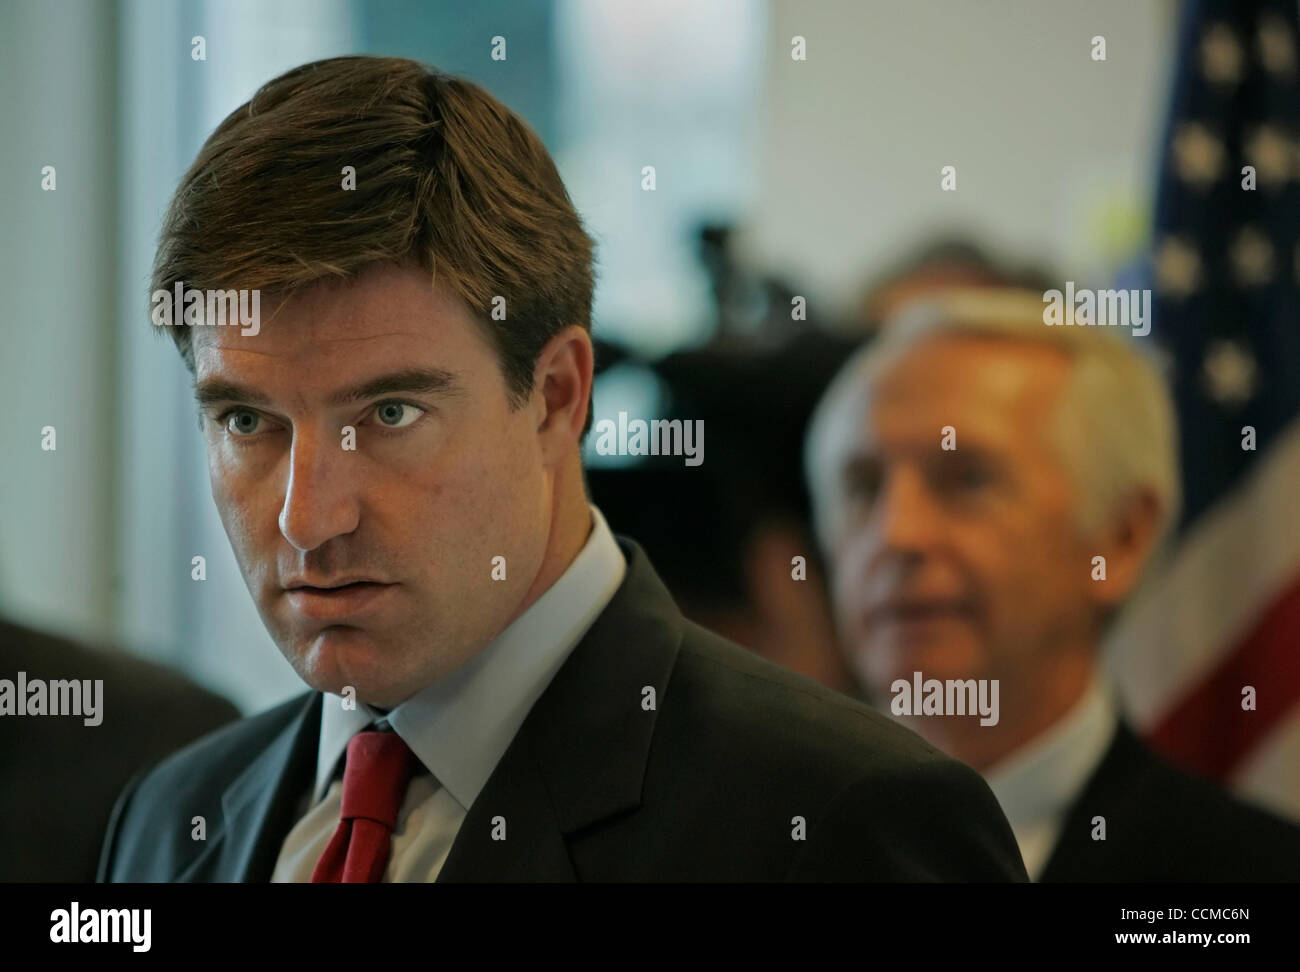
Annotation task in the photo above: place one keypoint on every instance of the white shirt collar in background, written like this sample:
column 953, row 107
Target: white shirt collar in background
column 1038, row 783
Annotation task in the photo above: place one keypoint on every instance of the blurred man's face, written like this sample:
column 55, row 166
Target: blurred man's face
column 963, row 563
column 372, row 567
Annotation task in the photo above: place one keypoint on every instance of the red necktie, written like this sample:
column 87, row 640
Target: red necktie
column 378, row 767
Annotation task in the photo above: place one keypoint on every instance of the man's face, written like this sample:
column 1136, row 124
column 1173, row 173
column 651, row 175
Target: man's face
column 443, row 478
column 963, row 563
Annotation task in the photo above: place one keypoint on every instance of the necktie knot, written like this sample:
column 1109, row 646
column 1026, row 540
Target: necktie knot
column 379, row 765
column 378, row 768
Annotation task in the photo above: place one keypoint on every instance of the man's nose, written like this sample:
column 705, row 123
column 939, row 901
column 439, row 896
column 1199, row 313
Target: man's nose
column 320, row 500
column 908, row 520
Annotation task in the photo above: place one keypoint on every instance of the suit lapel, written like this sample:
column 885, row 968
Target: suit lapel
column 580, row 755
column 1075, row 852
column 259, row 807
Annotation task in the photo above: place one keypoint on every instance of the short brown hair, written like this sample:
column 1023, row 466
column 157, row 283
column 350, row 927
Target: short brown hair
column 447, row 178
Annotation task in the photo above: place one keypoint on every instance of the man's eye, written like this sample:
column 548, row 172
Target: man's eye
column 861, row 482
column 397, row 415
column 966, row 476
column 241, row 422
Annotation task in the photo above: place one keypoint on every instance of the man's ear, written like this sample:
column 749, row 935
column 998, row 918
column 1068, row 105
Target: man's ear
column 562, row 390
column 1127, row 542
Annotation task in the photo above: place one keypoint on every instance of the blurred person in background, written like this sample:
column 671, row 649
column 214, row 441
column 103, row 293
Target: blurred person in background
column 62, row 774
column 942, row 262
column 977, row 562
column 724, row 535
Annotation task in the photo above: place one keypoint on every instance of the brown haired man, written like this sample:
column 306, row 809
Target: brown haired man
column 501, row 689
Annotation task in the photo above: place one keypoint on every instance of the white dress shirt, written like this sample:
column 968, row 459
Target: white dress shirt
column 460, row 726
column 1038, row 783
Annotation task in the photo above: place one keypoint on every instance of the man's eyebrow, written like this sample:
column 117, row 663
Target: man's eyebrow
column 212, row 390
column 419, row 381
column 410, row 380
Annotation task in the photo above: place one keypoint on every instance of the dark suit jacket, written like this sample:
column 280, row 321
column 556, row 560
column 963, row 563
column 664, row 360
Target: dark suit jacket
column 595, row 787
column 1163, row 824
column 61, row 776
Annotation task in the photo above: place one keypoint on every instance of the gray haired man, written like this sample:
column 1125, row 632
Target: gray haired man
column 988, row 491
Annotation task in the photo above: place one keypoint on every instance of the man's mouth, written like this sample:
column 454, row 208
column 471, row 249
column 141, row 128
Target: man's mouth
column 337, row 601
column 329, row 583
column 916, row 612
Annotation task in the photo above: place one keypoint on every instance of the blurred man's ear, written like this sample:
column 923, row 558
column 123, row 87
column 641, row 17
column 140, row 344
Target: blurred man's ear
column 1127, row 542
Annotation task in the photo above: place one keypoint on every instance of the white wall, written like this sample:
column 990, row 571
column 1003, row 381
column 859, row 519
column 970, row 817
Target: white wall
column 1054, row 152
column 56, row 326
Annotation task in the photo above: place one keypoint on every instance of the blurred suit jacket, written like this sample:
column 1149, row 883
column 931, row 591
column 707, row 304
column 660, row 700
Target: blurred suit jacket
column 62, row 776
column 1163, row 824
column 595, row 786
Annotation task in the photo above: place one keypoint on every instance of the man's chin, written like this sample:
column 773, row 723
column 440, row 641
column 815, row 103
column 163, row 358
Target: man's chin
column 353, row 664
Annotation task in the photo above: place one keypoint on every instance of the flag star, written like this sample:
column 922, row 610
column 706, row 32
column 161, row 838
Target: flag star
column 1252, row 257
column 1220, row 56
column 1198, row 155
column 1276, row 46
column 1230, row 373
column 1270, row 153
column 1177, row 268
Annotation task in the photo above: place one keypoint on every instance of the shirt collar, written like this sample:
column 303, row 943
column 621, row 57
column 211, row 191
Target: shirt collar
column 461, row 725
column 1041, row 779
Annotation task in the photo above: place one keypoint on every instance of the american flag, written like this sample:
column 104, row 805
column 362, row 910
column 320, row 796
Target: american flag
column 1225, row 274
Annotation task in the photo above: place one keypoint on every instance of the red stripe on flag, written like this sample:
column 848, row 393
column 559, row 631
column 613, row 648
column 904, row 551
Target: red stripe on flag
column 1208, row 732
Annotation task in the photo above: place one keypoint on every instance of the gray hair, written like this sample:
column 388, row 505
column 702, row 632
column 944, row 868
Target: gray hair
column 1115, row 427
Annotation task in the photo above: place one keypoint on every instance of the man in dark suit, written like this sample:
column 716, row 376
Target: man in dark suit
column 988, row 490
column 502, row 689
column 63, row 771
column 741, row 771
column 1168, row 826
